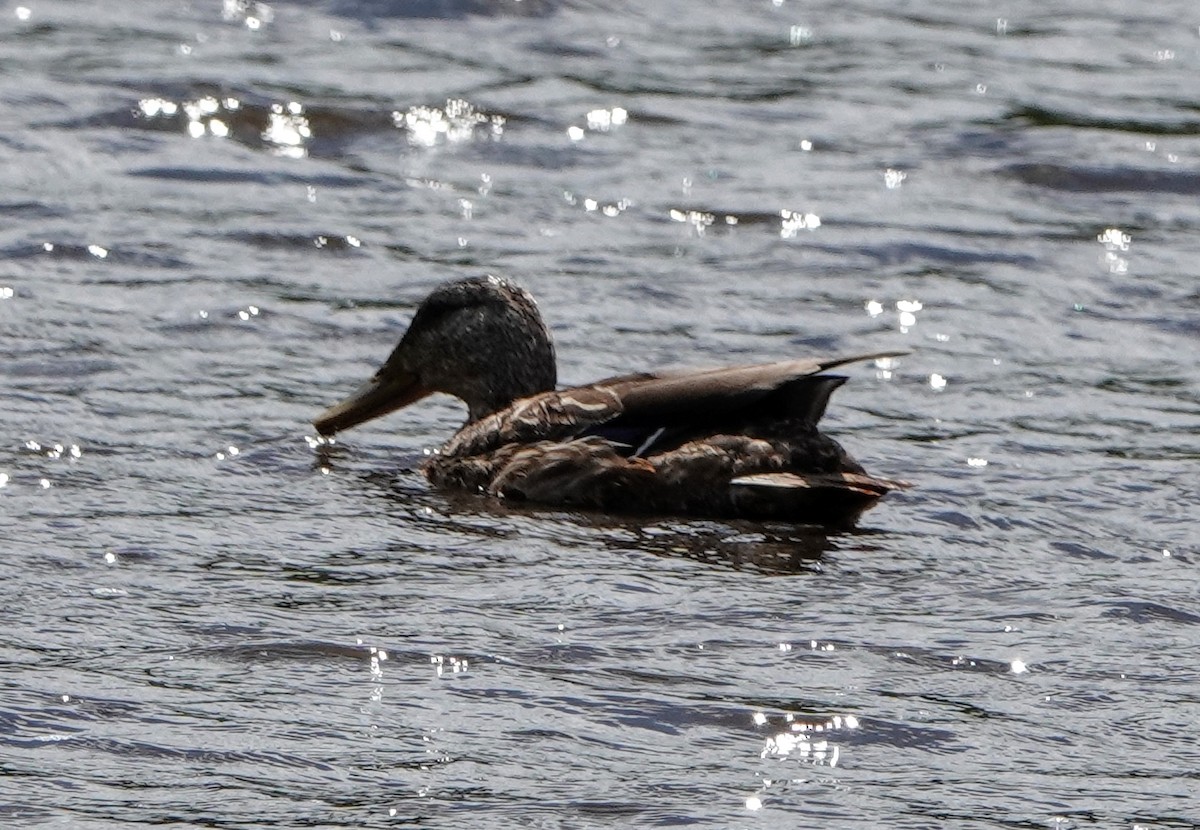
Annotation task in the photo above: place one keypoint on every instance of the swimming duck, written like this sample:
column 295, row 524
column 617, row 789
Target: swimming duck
column 736, row 442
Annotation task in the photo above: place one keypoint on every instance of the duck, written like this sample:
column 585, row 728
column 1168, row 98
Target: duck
column 734, row 442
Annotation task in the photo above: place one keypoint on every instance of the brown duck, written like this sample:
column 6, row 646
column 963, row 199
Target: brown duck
column 730, row 442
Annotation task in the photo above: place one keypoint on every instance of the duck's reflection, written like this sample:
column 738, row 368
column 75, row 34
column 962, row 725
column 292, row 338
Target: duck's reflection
column 768, row 548
column 771, row 549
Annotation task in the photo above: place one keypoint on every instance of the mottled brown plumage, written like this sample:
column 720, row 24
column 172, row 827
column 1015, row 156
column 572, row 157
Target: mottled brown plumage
column 732, row 442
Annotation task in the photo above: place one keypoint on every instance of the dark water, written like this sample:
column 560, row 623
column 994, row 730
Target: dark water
column 216, row 218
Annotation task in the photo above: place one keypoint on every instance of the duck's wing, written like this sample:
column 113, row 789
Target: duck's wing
column 725, row 389
column 659, row 409
column 549, row 416
column 639, row 412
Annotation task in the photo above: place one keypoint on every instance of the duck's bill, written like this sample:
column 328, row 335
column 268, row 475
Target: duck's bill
column 376, row 397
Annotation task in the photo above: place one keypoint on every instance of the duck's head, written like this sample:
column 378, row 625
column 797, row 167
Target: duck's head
column 481, row 340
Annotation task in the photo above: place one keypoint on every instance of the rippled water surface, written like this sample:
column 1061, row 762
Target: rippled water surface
column 217, row 219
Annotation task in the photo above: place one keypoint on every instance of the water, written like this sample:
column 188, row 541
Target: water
column 217, row 220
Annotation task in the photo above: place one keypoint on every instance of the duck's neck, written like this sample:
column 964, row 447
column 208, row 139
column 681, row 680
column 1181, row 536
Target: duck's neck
column 523, row 372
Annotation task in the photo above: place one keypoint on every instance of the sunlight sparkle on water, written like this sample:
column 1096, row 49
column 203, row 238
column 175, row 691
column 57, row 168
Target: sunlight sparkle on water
column 55, row 450
column 201, row 107
column 252, row 15
column 152, row 107
column 799, row 35
column 794, row 222
column 808, row 741
column 884, row 367
column 378, row 656
column 1114, row 239
column 603, row 120
column 908, row 313
column 445, row 663
column 610, row 210
column 201, row 113
column 1115, row 242
column 288, row 129
column 456, row 123
column 698, row 219
column 599, row 120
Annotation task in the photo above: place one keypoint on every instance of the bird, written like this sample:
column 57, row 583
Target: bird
column 736, row 442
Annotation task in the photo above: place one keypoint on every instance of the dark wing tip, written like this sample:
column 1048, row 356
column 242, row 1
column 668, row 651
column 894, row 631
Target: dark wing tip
column 834, row 362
